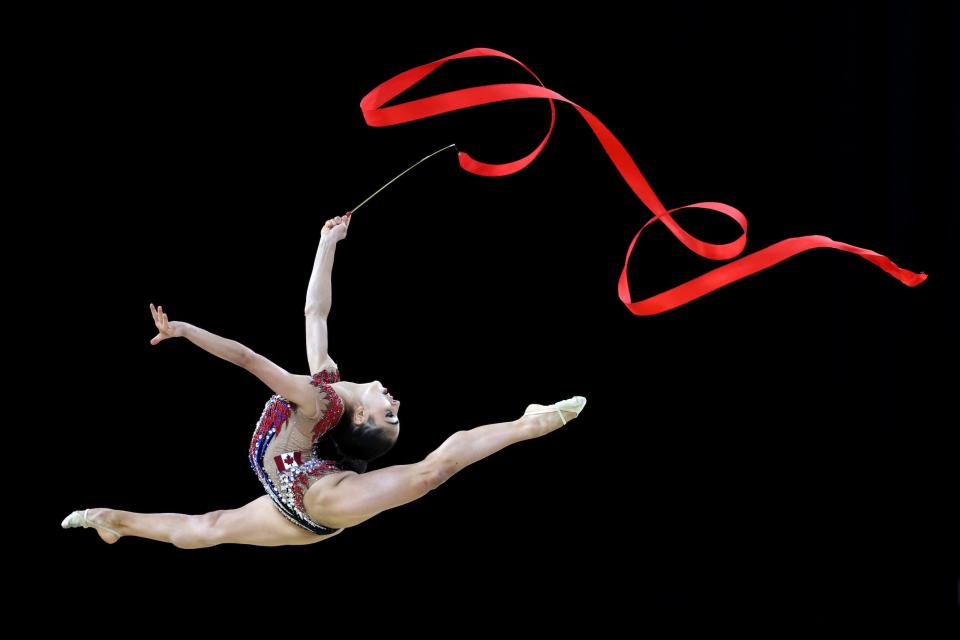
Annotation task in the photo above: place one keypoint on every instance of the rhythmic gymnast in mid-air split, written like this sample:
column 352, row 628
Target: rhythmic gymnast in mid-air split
column 314, row 440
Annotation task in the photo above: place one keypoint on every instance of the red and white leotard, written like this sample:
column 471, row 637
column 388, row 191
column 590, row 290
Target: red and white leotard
column 281, row 451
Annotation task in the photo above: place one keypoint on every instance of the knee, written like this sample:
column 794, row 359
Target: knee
column 197, row 532
column 437, row 469
column 432, row 478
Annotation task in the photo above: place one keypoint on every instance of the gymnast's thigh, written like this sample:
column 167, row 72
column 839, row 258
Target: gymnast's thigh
column 261, row 523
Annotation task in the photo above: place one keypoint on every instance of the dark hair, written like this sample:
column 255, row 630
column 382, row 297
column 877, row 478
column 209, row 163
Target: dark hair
column 351, row 446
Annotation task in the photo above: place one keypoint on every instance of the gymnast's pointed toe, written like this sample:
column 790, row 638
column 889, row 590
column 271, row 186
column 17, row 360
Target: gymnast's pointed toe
column 572, row 405
column 566, row 409
column 75, row 519
column 81, row 519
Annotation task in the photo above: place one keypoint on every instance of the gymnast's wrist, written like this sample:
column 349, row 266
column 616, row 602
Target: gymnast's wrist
column 327, row 242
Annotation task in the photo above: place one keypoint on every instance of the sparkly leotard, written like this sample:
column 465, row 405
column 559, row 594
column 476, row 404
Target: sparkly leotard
column 281, row 451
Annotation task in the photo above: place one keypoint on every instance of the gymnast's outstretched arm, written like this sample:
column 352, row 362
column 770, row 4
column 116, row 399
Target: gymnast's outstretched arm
column 296, row 388
column 320, row 294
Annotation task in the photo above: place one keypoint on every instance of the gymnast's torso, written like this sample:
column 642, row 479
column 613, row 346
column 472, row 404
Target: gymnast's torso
column 282, row 449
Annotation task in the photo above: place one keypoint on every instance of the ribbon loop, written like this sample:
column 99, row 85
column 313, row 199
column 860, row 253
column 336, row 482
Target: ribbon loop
column 375, row 114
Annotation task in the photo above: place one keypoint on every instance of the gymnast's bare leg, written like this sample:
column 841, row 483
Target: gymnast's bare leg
column 257, row 523
column 340, row 500
column 347, row 499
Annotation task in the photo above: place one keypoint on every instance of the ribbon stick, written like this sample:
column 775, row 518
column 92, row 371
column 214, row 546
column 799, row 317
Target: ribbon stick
column 449, row 146
column 377, row 115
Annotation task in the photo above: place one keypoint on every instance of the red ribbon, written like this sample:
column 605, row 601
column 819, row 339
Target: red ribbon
column 377, row 115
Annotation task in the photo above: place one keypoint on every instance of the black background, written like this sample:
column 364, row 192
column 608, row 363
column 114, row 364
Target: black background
column 786, row 441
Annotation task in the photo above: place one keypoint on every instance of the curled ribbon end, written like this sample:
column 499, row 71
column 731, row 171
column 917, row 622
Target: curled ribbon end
column 376, row 114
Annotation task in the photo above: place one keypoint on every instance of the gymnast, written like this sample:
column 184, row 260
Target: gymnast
column 312, row 462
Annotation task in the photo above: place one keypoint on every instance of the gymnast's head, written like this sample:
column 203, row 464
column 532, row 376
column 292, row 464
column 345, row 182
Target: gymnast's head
column 369, row 426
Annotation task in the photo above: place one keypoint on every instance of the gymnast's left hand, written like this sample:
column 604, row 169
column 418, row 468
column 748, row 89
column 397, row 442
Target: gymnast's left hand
column 336, row 228
column 167, row 329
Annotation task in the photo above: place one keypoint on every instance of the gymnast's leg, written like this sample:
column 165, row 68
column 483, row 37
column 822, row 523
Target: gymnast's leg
column 257, row 523
column 350, row 498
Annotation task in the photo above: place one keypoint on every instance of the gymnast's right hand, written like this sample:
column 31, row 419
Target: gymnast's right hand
column 167, row 329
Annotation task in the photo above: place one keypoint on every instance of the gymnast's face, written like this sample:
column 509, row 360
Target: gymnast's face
column 379, row 406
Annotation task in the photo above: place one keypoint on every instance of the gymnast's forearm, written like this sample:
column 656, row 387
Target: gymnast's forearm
column 229, row 350
column 319, row 290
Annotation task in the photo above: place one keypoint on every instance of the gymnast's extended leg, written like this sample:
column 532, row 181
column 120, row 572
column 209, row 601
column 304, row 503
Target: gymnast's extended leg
column 257, row 523
column 350, row 498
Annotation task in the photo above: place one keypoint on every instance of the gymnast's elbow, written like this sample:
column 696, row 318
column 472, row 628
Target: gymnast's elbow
column 243, row 356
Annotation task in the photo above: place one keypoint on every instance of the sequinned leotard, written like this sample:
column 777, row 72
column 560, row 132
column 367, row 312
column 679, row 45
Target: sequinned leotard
column 281, row 451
